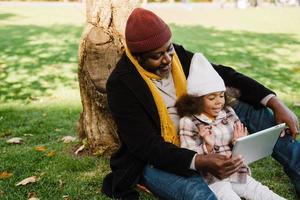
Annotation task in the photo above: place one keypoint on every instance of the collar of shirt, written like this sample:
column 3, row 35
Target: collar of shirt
column 202, row 117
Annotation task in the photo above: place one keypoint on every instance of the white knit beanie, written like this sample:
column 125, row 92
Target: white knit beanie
column 203, row 79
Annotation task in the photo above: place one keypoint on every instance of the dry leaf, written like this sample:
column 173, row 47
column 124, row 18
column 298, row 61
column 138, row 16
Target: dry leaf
column 61, row 183
column 68, row 139
column 32, row 195
column 297, row 104
column 57, row 129
column 15, row 140
column 5, row 175
column 40, row 148
column 28, row 134
column 28, row 180
column 79, row 149
column 143, row 188
column 66, row 197
column 51, row 154
column 1, row 193
column 33, row 198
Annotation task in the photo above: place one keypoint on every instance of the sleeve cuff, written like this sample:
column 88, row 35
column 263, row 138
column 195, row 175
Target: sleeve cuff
column 192, row 166
column 265, row 100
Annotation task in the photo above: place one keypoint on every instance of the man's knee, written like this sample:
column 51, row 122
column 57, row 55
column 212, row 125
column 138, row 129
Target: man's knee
column 287, row 153
column 196, row 189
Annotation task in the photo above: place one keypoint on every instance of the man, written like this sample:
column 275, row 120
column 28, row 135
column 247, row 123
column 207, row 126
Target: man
column 142, row 91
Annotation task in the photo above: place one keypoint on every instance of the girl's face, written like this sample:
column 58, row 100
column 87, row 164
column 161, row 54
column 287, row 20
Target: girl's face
column 213, row 103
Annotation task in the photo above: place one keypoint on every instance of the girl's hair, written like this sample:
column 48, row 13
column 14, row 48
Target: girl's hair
column 188, row 105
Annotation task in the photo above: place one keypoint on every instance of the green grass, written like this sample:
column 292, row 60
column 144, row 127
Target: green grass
column 39, row 92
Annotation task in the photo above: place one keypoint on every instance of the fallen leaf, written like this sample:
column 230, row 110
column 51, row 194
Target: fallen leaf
column 42, row 174
column 297, row 104
column 66, row 197
column 40, row 148
column 61, row 183
column 68, row 139
column 5, row 134
column 79, row 149
column 28, row 135
column 57, row 129
column 15, row 140
column 51, row 154
column 1, row 193
column 5, row 175
column 31, row 195
column 28, row 180
column 33, row 198
column 143, row 188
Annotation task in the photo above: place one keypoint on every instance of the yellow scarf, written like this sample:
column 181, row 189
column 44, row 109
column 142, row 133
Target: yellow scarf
column 168, row 129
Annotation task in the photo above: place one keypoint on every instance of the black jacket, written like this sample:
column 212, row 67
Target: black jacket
column 134, row 111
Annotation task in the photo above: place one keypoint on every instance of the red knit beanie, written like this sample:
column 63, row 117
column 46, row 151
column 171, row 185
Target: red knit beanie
column 145, row 31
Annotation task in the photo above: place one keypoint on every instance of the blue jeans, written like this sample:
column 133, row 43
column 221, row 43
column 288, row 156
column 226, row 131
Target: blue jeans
column 286, row 150
column 173, row 187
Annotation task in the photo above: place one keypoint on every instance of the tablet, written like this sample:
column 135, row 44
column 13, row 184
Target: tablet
column 257, row 145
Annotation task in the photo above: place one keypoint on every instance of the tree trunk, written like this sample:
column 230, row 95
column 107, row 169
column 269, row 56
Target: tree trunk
column 100, row 49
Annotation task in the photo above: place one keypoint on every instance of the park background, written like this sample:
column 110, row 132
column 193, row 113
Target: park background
column 40, row 99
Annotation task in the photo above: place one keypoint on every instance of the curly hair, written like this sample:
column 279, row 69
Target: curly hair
column 188, row 105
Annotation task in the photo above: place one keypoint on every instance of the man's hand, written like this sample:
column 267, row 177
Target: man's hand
column 220, row 166
column 284, row 114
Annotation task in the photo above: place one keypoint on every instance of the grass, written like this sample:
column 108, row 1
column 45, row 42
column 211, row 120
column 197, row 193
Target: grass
column 40, row 102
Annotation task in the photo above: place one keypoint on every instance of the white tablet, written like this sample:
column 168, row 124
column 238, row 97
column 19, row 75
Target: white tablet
column 257, row 145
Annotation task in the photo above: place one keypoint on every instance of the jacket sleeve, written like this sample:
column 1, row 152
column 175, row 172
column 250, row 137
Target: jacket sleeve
column 251, row 91
column 189, row 137
column 137, row 131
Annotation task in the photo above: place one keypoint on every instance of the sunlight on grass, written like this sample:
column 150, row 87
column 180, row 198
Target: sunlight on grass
column 44, row 14
column 270, row 19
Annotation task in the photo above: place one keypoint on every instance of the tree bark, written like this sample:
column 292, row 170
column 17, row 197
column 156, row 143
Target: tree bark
column 100, row 48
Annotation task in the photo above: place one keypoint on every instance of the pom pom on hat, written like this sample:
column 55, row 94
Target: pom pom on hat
column 203, row 79
column 145, row 31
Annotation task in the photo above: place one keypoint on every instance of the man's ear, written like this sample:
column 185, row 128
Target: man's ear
column 140, row 59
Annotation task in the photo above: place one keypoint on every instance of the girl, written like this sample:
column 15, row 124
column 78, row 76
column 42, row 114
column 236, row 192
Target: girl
column 208, row 126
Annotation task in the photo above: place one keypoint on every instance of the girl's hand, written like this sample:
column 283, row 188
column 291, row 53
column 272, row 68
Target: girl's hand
column 206, row 135
column 238, row 131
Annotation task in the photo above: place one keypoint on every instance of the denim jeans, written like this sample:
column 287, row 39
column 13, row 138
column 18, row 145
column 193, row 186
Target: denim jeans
column 169, row 186
column 286, row 150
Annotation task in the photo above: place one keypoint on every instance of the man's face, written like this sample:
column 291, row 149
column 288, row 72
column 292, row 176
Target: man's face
column 158, row 61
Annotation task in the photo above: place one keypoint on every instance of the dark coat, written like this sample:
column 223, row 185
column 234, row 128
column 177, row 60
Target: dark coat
column 134, row 111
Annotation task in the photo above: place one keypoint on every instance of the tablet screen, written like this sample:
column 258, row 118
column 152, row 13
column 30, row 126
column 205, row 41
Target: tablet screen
column 257, row 145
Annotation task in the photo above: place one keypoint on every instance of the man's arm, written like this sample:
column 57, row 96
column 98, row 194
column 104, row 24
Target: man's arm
column 284, row 114
column 250, row 90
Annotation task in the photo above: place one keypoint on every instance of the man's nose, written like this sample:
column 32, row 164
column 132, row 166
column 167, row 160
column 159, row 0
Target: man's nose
column 167, row 58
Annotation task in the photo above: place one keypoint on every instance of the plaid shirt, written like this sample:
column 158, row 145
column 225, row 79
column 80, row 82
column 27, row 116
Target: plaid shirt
column 221, row 128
